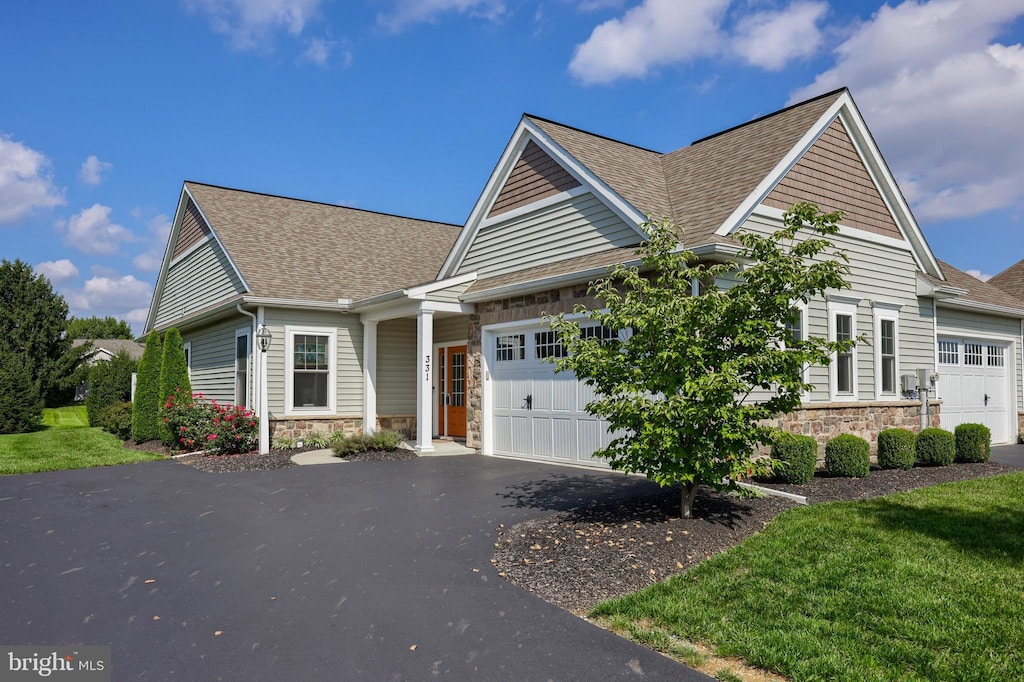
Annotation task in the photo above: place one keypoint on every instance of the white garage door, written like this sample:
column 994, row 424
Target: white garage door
column 535, row 412
column 973, row 385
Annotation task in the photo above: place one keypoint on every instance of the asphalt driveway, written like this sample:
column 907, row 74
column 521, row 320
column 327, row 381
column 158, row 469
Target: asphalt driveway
column 361, row 571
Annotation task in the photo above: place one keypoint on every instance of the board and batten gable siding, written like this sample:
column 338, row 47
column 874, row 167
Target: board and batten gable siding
column 348, row 357
column 200, row 279
column 212, row 362
column 887, row 275
column 396, row 367
column 579, row 226
column 956, row 323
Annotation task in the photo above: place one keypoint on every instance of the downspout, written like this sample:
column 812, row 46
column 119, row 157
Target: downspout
column 257, row 364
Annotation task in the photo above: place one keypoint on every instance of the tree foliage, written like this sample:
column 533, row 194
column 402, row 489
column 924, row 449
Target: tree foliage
column 110, row 382
column 20, row 406
column 146, row 408
column 33, row 321
column 689, row 381
column 173, row 376
column 99, row 328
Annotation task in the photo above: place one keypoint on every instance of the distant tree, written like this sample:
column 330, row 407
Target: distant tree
column 99, row 328
column 688, row 380
column 173, row 374
column 146, row 408
column 20, row 406
column 33, row 322
column 110, row 381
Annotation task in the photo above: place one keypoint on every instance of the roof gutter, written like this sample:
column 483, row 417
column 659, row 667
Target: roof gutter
column 342, row 305
column 982, row 307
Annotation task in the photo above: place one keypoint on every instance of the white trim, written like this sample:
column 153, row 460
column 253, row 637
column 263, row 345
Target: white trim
column 161, row 278
column 839, row 305
column 424, row 380
column 844, row 230
column 535, row 206
column 430, row 287
column 295, row 303
column 886, row 312
column 263, row 408
column 188, row 252
column 187, row 345
column 983, row 307
column 247, row 333
column 289, row 369
column 369, row 376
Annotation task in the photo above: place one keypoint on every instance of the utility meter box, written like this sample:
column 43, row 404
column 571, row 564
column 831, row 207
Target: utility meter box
column 909, row 383
column 923, row 378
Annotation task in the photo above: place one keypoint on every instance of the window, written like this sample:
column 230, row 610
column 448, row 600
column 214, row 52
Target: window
column 795, row 324
column 188, row 357
column 605, row 334
column 887, row 346
column 510, row 347
column 310, row 370
column 842, row 326
column 242, row 355
column 995, row 356
column 973, row 354
column 548, row 345
column 887, row 349
column 949, row 353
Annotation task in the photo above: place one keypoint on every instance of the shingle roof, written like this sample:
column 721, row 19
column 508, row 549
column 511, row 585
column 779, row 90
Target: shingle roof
column 1011, row 280
column 296, row 249
column 978, row 291
column 700, row 185
column 114, row 346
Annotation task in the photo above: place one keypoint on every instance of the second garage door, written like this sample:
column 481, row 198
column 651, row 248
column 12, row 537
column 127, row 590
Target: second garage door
column 536, row 413
column 973, row 381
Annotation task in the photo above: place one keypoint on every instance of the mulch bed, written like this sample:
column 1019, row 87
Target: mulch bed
column 578, row 558
column 397, row 455
column 280, row 459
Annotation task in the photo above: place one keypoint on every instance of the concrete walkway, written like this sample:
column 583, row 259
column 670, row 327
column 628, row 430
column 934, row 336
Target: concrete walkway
column 317, row 457
column 1011, row 455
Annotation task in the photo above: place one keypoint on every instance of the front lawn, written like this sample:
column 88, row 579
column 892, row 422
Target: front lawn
column 925, row 585
column 64, row 441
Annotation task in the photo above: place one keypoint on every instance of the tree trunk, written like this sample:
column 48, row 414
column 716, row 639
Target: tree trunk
column 689, row 493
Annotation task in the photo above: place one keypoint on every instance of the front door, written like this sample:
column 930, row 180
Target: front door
column 451, row 398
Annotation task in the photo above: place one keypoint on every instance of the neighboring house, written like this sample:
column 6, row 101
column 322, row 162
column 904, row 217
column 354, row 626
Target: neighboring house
column 1011, row 280
column 382, row 321
column 105, row 349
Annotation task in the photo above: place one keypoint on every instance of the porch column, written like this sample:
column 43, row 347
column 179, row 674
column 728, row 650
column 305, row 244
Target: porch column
column 262, row 408
column 369, row 376
column 424, row 380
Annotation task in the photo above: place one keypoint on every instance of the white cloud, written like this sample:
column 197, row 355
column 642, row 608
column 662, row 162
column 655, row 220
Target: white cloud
column 408, row 12
column 943, row 98
column 978, row 274
column 249, row 22
column 655, row 33
column 109, row 296
column 159, row 229
column 319, row 51
column 91, row 231
column 58, row 271
column 92, row 170
column 772, row 39
column 25, row 181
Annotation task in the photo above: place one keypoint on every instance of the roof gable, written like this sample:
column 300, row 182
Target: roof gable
column 535, row 176
column 1011, row 280
column 193, row 230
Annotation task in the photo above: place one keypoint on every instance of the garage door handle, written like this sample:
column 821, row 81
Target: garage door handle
column 528, row 402
column 986, row 400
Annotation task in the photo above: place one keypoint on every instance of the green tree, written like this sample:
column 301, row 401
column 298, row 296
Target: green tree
column 33, row 321
column 98, row 328
column 173, row 374
column 110, row 381
column 146, row 408
column 20, row 406
column 690, row 379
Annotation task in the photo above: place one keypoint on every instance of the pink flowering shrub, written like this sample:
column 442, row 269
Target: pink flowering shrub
column 198, row 424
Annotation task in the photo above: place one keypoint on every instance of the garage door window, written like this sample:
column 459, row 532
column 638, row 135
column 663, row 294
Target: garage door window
column 973, row 354
column 548, row 345
column 605, row 334
column 949, row 353
column 995, row 356
column 510, row 347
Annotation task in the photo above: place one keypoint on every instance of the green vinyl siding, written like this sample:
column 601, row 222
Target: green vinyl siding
column 579, row 226
column 348, row 357
column 450, row 294
column 199, row 280
column 212, row 362
column 965, row 322
column 448, row 329
column 396, row 367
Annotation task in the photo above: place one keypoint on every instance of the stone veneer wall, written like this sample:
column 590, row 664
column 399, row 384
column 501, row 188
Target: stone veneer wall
column 514, row 309
column 1020, row 427
column 296, row 428
column 825, row 421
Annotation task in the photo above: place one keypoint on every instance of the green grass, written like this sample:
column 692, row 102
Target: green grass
column 926, row 585
column 64, row 441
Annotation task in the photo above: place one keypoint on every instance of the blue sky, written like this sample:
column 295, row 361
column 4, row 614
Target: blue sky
column 404, row 106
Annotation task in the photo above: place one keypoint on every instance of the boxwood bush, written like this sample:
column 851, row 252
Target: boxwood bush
column 973, row 442
column 794, row 458
column 935, row 447
column 896, row 449
column 848, row 455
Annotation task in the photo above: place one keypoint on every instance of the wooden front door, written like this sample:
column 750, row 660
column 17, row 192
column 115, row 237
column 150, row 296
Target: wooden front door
column 451, row 398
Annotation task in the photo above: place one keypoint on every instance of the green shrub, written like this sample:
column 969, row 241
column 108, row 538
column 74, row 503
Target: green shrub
column 973, row 442
column 146, row 410
column 935, row 447
column 896, row 449
column 198, row 424
column 282, row 443
column 794, row 458
column 189, row 420
column 383, row 440
column 173, row 375
column 317, row 439
column 21, row 407
column 110, row 381
column 116, row 419
column 848, row 455
column 344, row 446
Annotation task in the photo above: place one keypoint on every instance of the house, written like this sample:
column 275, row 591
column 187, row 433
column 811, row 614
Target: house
column 105, row 349
column 379, row 321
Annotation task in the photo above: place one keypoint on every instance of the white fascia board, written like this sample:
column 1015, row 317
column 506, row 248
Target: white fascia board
column 845, row 230
column 401, row 308
column 165, row 265
column 296, row 303
column 446, row 307
column 535, row 206
column 193, row 320
column 544, row 283
column 424, row 289
column 1002, row 311
column 213, row 232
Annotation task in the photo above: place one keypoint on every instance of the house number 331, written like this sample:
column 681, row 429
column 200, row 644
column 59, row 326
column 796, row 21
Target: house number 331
column 426, row 365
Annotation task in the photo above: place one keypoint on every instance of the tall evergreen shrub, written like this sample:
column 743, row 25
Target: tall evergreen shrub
column 21, row 407
column 173, row 378
column 146, row 409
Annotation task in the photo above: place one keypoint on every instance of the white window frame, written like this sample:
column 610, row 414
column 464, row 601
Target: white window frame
column 247, row 333
column 801, row 310
column 889, row 313
column 332, row 371
column 188, row 358
column 842, row 306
